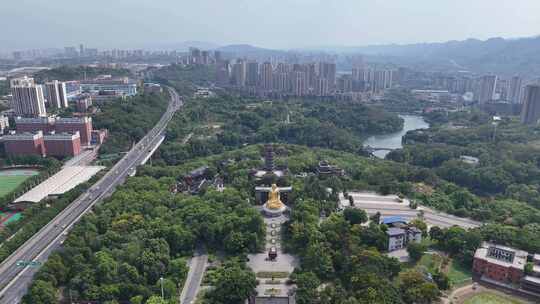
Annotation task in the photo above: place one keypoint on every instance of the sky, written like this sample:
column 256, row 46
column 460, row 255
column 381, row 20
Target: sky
column 279, row 24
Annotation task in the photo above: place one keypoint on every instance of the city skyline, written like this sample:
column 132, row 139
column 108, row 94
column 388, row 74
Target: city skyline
column 301, row 24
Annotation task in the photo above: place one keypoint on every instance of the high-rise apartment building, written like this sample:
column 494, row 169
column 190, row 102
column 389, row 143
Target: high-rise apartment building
column 282, row 68
column 345, row 84
column 27, row 97
column 239, row 73
column 56, row 94
column 328, row 71
column 217, row 56
column 195, row 55
column 379, row 80
column 205, row 57
column 530, row 112
column 267, row 77
column 321, row 87
column 486, row 88
column 281, row 82
column 252, row 73
column 515, row 93
column 311, row 70
column 299, row 83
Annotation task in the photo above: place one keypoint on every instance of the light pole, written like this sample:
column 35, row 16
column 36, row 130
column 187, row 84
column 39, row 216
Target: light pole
column 162, row 293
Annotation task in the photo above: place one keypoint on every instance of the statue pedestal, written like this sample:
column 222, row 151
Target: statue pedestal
column 273, row 212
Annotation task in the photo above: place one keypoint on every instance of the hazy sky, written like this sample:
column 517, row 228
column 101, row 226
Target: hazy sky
column 266, row 23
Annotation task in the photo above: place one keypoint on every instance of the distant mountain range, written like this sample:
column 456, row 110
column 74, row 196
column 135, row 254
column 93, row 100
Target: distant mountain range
column 185, row 45
column 495, row 55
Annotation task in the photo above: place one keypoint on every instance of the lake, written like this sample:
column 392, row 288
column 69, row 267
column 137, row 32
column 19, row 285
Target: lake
column 393, row 140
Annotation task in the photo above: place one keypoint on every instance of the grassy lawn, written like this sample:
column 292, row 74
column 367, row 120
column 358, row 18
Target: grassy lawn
column 491, row 298
column 458, row 273
column 431, row 262
column 9, row 183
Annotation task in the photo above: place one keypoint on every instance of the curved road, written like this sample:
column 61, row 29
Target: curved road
column 14, row 280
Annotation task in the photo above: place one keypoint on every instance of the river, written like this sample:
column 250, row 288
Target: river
column 393, row 140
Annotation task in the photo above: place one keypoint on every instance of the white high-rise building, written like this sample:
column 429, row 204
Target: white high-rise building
column 486, row 89
column 56, row 94
column 267, row 76
column 514, row 96
column 239, row 73
column 28, row 99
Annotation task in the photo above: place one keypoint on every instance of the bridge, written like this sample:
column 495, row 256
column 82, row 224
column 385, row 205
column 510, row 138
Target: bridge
column 371, row 149
column 14, row 280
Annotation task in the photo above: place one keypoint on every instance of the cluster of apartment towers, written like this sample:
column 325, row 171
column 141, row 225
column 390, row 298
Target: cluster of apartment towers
column 300, row 79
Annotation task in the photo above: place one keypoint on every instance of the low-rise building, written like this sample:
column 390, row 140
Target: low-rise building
column 500, row 263
column 400, row 233
column 34, row 124
column 152, row 88
column 123, row 85
column 24, row 144
column 326, row 169
column 63, row 144
column 83, row 125
column 99, row 136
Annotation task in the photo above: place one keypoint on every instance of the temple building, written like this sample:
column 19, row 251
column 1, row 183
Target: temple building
column 267, row 175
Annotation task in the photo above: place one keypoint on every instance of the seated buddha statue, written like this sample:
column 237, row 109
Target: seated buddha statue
column 274, row 202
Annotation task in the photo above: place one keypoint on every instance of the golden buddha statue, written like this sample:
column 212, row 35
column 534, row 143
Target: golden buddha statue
column 274, row 202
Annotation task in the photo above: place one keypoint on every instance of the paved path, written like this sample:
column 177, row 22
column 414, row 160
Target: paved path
column 197, row 267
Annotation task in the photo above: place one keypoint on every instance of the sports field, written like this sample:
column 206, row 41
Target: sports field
column 9, row 217
column 492, row 298
column 10, row 179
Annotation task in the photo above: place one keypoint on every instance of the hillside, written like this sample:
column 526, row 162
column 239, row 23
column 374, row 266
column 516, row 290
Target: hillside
column 495, row 55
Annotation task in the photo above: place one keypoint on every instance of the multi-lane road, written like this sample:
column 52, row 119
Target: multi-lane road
column 14, row 279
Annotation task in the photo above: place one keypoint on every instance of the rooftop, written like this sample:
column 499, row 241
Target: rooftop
column 502, row 255
column 393, row 219
column 395, row 231
column 63, row 181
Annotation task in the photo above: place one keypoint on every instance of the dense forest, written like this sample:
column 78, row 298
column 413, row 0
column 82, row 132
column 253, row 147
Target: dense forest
column 66, row 72
column 185, row 78
column 144, row 231
column 129, row 120
column 225, row 122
